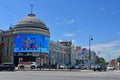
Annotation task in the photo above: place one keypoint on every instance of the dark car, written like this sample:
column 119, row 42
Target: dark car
column 79, row 66
column 70, row 67
column 7, row 66
column 100, row 67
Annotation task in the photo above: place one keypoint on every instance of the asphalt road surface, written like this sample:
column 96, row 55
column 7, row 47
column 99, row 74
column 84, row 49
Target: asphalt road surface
column 59, row 75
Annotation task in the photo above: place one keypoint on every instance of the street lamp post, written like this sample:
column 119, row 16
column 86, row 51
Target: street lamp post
column 90, row 39
column 40, row 56
column 49, row 57
column 70, row 57
column 11, row 54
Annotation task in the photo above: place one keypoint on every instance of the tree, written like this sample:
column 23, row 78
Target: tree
column 101, row 60
column 118, row 60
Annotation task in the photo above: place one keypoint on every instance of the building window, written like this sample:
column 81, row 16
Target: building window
column 2, row 38
column 8, row 41
column 7, row 50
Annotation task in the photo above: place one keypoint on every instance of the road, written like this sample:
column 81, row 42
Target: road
column 59, row 75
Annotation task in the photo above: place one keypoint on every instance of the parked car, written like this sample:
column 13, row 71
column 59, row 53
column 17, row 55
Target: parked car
column 92, row 67
column 100, row 67
column 62, row 66
column 109, row 67
column 84, row 67
column 53, row 66
column 7, row 66
column 23, row 65
column 79, row 66
column 33, row 65
column 70, row 67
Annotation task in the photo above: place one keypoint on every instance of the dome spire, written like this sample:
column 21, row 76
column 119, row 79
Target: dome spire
column 31, row 14
column 31, row 8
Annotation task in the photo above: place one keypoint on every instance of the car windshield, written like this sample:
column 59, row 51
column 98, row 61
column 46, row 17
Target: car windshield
column 110, row 66
column 98, row 64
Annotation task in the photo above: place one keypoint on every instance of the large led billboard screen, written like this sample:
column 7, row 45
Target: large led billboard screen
column 31, row 43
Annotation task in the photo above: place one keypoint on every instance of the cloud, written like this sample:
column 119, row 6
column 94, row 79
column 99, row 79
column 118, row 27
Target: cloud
column 111, row 48
column 63, row 20
column 68, row 35
column 70, row 21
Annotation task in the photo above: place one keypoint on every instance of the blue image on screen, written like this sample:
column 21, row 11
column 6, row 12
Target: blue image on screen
column 31, row 43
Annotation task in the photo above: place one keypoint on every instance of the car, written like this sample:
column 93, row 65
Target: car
column 109, row 67
column 84, row 66
column 100, row 67
column 7, row 66
column 79, row 66
column 92, row 67
column 23, row 65
column 33, row 65
column 62, row 66
column 53, row 66
column 70, row 67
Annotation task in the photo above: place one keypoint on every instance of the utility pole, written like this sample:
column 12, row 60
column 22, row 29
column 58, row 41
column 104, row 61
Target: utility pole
column 11, row 54
column 49, row 56
column 90, row 39
column 40, row 56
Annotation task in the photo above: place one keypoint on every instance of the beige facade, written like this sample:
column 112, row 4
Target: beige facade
column 57, row 53
column 61, row 53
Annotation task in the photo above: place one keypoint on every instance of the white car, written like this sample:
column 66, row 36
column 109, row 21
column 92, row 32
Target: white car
column 62, row 66
column 109, row 67
column 23, row 65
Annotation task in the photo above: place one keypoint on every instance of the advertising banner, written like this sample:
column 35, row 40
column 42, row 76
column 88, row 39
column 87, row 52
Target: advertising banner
column 31, row 43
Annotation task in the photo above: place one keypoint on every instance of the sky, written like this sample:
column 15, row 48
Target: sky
column 75, row 20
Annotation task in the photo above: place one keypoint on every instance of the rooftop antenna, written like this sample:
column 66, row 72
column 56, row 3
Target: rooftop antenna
column 31, row 8
column 31, row 14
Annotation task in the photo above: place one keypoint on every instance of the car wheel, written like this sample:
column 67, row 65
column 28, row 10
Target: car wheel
column 94, row 69
column 9, row 69
column 21, row 67
column 32, row 67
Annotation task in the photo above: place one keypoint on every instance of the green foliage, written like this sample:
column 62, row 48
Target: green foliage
column 118, row 60
column 106, row 63
column 101, row 60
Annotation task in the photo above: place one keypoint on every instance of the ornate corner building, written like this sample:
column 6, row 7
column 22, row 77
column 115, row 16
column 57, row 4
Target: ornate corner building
column 27, row 40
